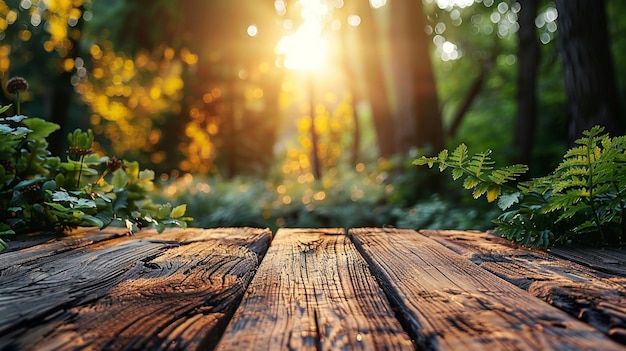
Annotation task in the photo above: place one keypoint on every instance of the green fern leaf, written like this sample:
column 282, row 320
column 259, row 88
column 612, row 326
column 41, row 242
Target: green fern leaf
column 502, row 175
column 480, row 163
column 459, row 155
column 470, row 182
column 457, row 173
column 430, row 161
column 442, row 159
column 480, row 190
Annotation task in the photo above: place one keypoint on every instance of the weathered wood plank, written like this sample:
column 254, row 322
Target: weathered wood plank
column 596, row 297
column 25, row 248
column 175, row 290
column 610, row 260
column 450, row 303
column 313, row 291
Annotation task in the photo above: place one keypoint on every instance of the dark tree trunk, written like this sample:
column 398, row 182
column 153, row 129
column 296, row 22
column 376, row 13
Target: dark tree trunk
column 411, row 47
column 58, row 108
column 60, row 97
column 528, row 63
column 375, row 81
column 587, row 67
column 474, row 90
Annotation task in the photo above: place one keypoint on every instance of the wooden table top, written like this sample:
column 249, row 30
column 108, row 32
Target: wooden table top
column 306, row 289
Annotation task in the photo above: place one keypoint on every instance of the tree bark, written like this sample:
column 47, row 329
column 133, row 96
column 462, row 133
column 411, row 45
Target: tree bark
column 472, row 93
column 528, row 63
column 375, row 81
column 588, row 69
column 411, row 50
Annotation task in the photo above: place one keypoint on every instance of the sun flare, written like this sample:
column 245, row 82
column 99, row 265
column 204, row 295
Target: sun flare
column 306, row 49
column 303, row 50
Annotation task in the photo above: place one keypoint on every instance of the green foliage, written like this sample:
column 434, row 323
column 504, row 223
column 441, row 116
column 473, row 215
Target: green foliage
column 440, row 213
column 344, row 197
column 41, row 192
column 581, row 201
column 478, row 172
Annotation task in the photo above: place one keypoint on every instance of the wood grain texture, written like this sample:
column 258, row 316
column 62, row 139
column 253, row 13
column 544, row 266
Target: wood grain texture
column 313, row 291
column 449, row 303
column 175, row 290
column 595, row 297
column 609, row 260
column 26, row 248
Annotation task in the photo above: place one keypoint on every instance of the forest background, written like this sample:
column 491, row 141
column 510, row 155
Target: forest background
column 309, row 113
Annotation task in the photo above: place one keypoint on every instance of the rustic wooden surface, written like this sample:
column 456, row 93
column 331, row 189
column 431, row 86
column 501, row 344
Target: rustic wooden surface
column 314, row 291
column 596, row 297
column 175, row 290
column 305, row 289
column 450, row 303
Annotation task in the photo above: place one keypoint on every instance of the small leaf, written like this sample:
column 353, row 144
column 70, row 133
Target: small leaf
column 457, row 173
column 493, row 192
column 4, row 109
column 40, row 128
column 470, row 182
column 16, row 118
column 85, row 203
column 507, row 200
column 480, row 190
column 120, row 179
column 59, row 196
column 89, row 220
column 178, row 211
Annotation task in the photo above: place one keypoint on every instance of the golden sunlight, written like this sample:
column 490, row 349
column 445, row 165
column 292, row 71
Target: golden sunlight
column 306, row 49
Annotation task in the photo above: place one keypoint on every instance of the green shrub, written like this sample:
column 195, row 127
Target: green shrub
column 582, row 201
column 39, row 192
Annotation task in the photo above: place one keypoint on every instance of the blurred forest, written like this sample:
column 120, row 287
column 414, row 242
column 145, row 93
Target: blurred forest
column 308, row 112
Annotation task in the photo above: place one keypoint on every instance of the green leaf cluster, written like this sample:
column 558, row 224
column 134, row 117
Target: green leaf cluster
column 581, row 201
column 478, row 172
column 39, row 192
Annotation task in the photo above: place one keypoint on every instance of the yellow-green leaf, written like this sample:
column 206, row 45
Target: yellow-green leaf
column 492, row 193
column 178, row 211
column 457, row 173
column 470, row 182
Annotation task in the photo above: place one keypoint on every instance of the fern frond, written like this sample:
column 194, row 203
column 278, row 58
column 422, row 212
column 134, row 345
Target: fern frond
column 459, row 156
column 480, row 163
column 430, row 161
column 561, row 201
column 481, row 175
column 585, row 193
column 572, row 210
column 502, row 175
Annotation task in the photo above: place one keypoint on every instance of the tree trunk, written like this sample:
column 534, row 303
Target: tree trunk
column 375, row 81
column 528, row 63
column 587, row 67
column 59, row 98
column 411, row 50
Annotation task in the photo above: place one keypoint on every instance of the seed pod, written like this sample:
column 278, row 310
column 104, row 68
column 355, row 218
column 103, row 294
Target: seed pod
column 113, row 164
column 16, row 84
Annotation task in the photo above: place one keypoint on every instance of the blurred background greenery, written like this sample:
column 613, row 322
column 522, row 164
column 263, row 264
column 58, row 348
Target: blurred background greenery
column 307, row 113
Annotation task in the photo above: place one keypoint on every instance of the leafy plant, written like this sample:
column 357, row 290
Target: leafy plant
column 581, row 201
column 39, row 192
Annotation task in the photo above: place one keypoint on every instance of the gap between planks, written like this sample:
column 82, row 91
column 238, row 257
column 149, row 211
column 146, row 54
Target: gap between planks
column 314, row 291
column 594, row 295
column 449, row 303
